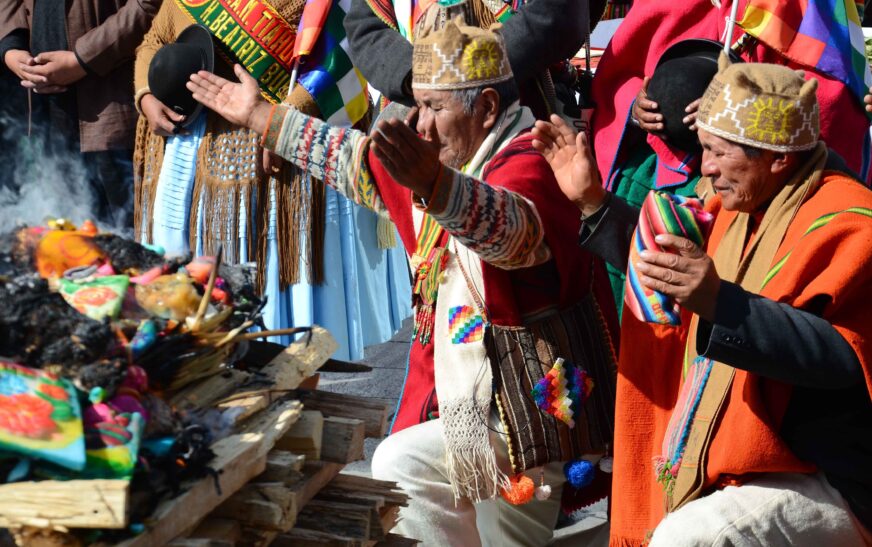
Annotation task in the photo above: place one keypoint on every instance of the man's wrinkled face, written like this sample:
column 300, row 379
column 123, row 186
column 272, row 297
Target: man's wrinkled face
column 441, row 117
column 745, row 183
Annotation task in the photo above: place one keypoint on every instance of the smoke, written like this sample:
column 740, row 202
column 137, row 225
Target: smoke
column 40, row 180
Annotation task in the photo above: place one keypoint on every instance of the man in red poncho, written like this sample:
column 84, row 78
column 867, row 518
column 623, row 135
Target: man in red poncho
column 481, row 214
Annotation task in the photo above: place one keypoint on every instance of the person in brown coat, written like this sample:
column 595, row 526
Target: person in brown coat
column 76, row 59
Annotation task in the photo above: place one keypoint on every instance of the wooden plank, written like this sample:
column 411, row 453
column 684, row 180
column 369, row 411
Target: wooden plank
column 256, row 537
column 239, row 457
column 311, row 538
column 343, row 519
column 200, row 542
column 373, row 413
column 305, row 437
column 217, row 528
column 261, row 505
column 78, row 503
column 301, row 359
column 342, row 440
column 358, row 484
column 367, row 503
column 282, row 466
column 286, row 371
column 204, row 394
column 318, row 475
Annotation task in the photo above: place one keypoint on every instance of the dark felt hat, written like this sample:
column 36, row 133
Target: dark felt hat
column 682, row 75
column 173, row 65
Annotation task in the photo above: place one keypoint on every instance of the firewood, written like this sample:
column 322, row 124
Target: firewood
column 218, row 528
column 343, row 519
column 282, row 466
column 305, row 437
column 373, row 413
column 239, row 457
column 310, row 538
column 342, row 440
column 73, row 504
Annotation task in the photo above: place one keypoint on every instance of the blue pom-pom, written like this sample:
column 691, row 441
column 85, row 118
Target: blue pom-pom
column 579, row 473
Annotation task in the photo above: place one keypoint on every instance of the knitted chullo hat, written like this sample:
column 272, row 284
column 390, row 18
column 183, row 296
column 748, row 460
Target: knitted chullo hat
column 459, row 57
column 761, row 105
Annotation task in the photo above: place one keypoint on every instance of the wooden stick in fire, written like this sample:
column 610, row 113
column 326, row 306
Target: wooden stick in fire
column 207, row 296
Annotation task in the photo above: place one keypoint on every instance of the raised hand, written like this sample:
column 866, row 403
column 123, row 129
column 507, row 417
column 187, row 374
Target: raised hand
column 409, row 159
column 688, row 276
column 239, row 103
column 570, row 158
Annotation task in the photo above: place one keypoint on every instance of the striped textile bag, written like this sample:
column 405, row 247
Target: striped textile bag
column 522, row 356
column 662, row 213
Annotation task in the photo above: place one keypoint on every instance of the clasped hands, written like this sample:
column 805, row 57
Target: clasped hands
column 48, row 72
column 410, row 160
column 684, row 271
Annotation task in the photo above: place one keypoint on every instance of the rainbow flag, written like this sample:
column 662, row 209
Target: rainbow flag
column 326, row 71
column 822, row 34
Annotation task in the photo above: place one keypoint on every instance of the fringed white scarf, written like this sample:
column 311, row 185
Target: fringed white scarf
column 464, row 382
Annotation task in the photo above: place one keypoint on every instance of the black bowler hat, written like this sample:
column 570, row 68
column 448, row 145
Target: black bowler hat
column 172, row 66
column 682, row 75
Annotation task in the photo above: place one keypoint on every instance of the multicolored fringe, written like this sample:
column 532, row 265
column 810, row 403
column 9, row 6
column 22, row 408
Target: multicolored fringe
column 563, row 391
column 424, row 293
column 662, row 213
column 666, row 466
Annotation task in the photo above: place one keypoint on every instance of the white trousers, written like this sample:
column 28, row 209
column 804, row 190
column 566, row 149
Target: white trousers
column 414, row 458
column 778, row 509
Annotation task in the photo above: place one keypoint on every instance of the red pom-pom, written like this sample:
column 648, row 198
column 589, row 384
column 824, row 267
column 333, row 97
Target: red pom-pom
column 521, row 491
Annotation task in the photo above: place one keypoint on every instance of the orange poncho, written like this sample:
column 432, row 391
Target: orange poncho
column 833, row 264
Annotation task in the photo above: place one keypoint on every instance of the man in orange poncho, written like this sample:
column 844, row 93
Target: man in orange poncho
column 755, row 413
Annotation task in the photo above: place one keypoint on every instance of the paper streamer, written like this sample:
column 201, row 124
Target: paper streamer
column 662, row 213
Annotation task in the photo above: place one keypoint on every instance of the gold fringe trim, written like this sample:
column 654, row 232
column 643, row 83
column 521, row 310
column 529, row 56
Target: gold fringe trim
column 386, row 233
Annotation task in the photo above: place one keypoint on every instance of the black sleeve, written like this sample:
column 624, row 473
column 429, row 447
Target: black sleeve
column 778, row 341
column 17, row 39
column 544, row 32
column 383, row 56
column 608, row 232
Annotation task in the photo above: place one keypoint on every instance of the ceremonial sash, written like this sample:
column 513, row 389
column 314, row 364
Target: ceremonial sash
column 253, row 34
column 428, row 262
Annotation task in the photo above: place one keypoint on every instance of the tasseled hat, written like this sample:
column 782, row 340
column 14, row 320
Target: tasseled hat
column 761, row 105
column 459, row 57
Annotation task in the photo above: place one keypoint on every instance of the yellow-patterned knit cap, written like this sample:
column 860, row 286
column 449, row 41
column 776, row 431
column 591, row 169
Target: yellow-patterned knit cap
column 459, row 57
column 761, row 105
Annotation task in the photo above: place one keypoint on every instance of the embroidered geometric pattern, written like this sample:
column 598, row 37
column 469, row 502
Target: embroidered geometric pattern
column 464, row 325
column 502, row 227
column 459, row 57
column 761, row 105
column 333, row 154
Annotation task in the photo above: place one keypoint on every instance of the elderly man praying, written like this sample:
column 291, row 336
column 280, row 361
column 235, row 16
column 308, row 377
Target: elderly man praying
column 757, row 408
column 485, row 222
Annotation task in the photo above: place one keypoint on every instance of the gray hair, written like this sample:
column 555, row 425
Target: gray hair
column 507, row 91
column 751, row 151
